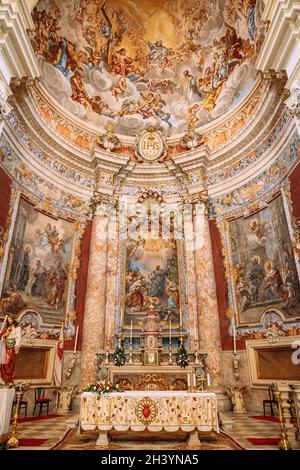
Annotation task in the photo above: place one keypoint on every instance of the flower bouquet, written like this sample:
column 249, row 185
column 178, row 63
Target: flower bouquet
column 100, row 388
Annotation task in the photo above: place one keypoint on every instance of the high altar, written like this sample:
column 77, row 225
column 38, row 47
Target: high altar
column 145, row 295
column 152, row 320
column 156, row 394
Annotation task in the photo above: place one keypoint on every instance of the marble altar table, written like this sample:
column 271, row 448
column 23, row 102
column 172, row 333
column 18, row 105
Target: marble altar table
column 149, row 410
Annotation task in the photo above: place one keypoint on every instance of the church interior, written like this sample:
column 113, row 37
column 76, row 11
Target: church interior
column 149, row 225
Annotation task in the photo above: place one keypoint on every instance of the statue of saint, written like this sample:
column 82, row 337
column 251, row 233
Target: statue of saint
column 65, row 399
column 10, row 340
column 237, row 398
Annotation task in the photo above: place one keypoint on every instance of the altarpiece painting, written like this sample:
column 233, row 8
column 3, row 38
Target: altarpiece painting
column 38, row 264
column 151, row 279
column 265, row 273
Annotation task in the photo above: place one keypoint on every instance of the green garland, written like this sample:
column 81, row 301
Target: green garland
column 119, row 354
column 182, row 357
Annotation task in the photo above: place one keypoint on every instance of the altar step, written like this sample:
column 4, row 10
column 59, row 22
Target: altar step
column 227, row 421
column 72, row 421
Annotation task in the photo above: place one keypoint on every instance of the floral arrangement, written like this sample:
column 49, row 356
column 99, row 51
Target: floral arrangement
column 182, row 357
column 100, row 388
column 119, row 354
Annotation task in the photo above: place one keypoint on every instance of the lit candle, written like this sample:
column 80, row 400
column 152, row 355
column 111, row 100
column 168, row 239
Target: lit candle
column 234, row 339
column 170, row 332
column 131, row 332
column 76, row 339
column 208, row 380
column 194, row 380
column 189, row 380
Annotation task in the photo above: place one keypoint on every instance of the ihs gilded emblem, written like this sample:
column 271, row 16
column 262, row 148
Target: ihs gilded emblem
column 150, row 145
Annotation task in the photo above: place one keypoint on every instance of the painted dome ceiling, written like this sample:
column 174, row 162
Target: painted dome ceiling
column 173, row 64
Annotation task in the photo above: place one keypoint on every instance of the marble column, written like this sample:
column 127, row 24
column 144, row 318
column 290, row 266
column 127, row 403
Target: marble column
column 95, row 304
column 191, row 291
column 207, row 305
column 111, row 281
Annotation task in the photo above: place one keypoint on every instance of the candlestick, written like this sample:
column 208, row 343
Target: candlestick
column 106, row 362
column 189, row 381
column 194, row 380
column 130, row 361
column 234, row 339
column 170, row 332
column 76, row 339
column 208, row 380
column 235, row 366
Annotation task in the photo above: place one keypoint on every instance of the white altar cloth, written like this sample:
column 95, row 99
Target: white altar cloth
column 6, row 402
column 151, row 410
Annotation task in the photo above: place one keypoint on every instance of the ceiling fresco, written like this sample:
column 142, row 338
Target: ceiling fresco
column 173, row 64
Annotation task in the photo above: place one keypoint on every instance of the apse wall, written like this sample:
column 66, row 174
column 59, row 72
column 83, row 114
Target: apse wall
column 272, row 326
column 242, row 166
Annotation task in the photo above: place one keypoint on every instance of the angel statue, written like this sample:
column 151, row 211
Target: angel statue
column 236, row 395
column 65, row 398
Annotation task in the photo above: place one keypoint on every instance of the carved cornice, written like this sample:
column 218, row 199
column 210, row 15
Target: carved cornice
column 23, row 84
column 257, row 192
column 282, row 35
column 17, row 54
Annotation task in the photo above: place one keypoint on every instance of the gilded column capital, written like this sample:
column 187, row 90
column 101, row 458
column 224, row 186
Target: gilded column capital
column 197, row 198
column 102, row 204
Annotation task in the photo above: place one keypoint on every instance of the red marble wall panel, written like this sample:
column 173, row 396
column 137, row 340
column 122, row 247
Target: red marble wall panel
column 226, row 340
column 5, row 195
column 81, row 286
column 295, row 190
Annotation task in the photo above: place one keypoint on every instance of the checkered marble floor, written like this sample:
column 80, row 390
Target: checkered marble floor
column 52, row 429
column 246, row 427
column 243, row 427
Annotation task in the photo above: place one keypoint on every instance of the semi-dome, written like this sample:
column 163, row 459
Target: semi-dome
column 174, row 65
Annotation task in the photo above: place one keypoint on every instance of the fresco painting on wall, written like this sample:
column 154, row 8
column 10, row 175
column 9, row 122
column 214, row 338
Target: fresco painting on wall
column 151, row 279
column 37, row 271
column 264, row 266
column 140, row 63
